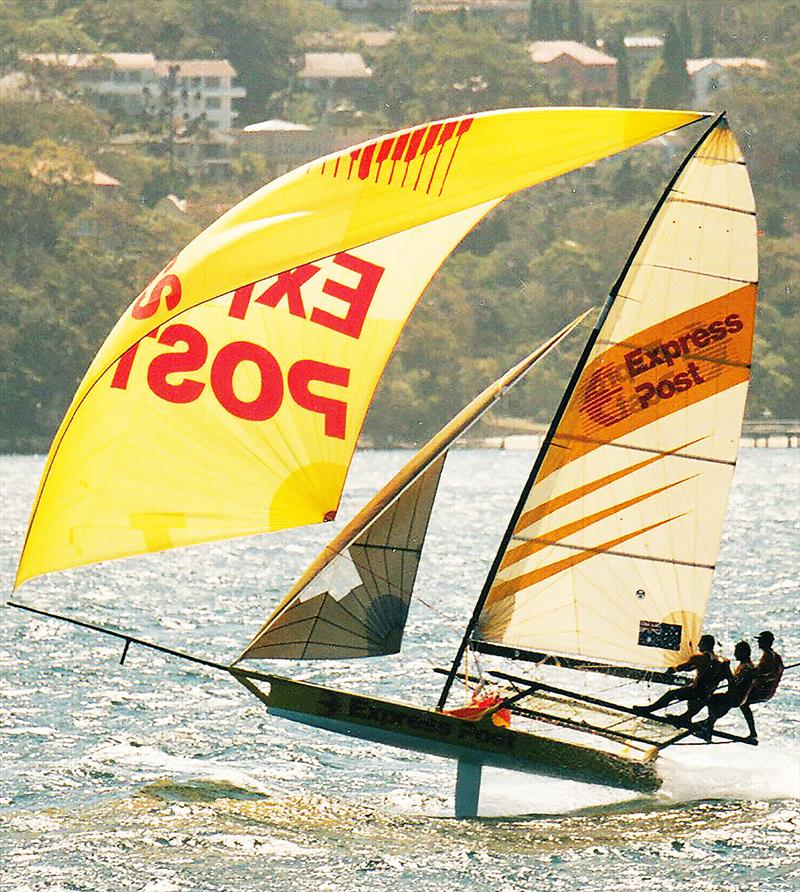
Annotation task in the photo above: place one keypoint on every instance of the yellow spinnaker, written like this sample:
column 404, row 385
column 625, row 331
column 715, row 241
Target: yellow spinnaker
column 228, row 399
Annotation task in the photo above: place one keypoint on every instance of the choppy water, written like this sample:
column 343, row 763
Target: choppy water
column 161, row 775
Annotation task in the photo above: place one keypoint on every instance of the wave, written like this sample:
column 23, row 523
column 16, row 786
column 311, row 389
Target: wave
column 689, row 774
column 189, row 778
column 734, row 772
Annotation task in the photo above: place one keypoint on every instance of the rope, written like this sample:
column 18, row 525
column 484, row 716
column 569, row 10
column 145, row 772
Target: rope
column 448, row 620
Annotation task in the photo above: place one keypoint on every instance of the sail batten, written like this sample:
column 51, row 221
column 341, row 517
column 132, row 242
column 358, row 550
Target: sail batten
column 666, row 375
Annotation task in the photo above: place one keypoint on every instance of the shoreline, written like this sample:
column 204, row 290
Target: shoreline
column 513, row 443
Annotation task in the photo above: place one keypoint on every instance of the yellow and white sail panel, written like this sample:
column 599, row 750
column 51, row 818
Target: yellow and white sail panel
column 239, row 416
column 353, row 599
column 228, row 398
column 614, row 546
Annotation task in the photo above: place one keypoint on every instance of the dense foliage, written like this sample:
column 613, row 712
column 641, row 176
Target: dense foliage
column 70, row 260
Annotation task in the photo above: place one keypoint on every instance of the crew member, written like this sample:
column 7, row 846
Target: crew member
column 769, row 671
column 740, row 683
column 709, row 672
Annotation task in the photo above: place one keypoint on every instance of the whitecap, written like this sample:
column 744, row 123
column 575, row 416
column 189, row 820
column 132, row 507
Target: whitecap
column 205, row 771
column 733, row 771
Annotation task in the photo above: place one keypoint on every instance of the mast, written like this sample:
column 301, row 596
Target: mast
column 557, row 418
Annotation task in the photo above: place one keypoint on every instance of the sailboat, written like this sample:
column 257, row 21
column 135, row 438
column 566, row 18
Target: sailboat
column 607, row 560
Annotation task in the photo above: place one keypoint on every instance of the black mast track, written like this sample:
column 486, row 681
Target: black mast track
column 573, row 382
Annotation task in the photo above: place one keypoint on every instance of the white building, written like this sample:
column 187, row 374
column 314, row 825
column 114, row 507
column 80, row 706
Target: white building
column 709, row 75
column 138, row 82
column 337, row 79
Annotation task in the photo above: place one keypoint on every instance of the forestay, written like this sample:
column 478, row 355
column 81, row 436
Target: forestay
column 353, row 600
column 613, row 548
column 229, row 397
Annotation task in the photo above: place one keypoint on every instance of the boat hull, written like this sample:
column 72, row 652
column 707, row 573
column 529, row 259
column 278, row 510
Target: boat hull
column 439, row 734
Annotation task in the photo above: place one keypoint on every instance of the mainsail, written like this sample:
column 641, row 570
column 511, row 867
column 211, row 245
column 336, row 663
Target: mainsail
column 353, row 600
column 229, row 397
column 611, row 551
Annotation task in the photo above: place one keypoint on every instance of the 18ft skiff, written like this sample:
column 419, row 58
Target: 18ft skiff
column 244, row 370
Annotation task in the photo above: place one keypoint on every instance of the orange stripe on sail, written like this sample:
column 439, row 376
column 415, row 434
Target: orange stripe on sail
column 661, row 370
column 553, row 538
column 512, row 586
column 567, row 498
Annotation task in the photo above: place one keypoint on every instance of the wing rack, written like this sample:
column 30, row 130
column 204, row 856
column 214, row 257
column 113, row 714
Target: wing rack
column 591, row 715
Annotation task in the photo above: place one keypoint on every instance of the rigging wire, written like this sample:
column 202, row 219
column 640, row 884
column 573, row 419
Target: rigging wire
column 448, row 620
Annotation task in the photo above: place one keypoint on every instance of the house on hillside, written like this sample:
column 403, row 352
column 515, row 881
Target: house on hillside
column 134, row 83
column 17, row 86
column 641, row 52
column 336, row 79
column 575, row 69
column 709, row 75
column 510, row 16
column 382, row 12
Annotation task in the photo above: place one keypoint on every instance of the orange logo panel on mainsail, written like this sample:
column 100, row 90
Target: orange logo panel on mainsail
column 663, row 369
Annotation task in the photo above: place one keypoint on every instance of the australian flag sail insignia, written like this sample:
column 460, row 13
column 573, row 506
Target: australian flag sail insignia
column 664, row 635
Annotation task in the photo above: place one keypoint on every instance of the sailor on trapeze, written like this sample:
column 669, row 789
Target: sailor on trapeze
column 709, row 672
column 769, row 671
column 748, row 684
column 740, row 684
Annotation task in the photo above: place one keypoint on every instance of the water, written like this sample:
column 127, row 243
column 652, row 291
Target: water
column 162, row 775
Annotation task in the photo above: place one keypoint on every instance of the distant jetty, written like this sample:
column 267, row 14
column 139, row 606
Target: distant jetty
column 772, row 433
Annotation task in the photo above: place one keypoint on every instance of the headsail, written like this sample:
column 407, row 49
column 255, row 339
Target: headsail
column 612, row 548
column 229, row 397
column 353, row 600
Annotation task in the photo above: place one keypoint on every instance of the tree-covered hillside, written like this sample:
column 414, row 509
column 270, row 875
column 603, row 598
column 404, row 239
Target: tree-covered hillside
column 74, row 252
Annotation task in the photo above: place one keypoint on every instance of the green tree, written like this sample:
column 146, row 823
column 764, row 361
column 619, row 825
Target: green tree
column 574, row 29
column 669, row 85
column 448, row 71
column 260, row 40
column 706, row 48
column 589, row 30
column 684, row 33
column 67, row 122
column 615, row 45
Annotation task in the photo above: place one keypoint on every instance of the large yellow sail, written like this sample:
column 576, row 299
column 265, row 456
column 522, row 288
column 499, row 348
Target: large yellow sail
column 228, row 399
column 613, row 547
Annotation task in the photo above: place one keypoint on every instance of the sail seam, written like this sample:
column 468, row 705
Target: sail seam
column 697, row 272
column 375, row 633
column 388, row 547
column 319, row 619
column 717, row 461
column 722, row 160
column 627, row 554
column 367, row 650
column 711, row 204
